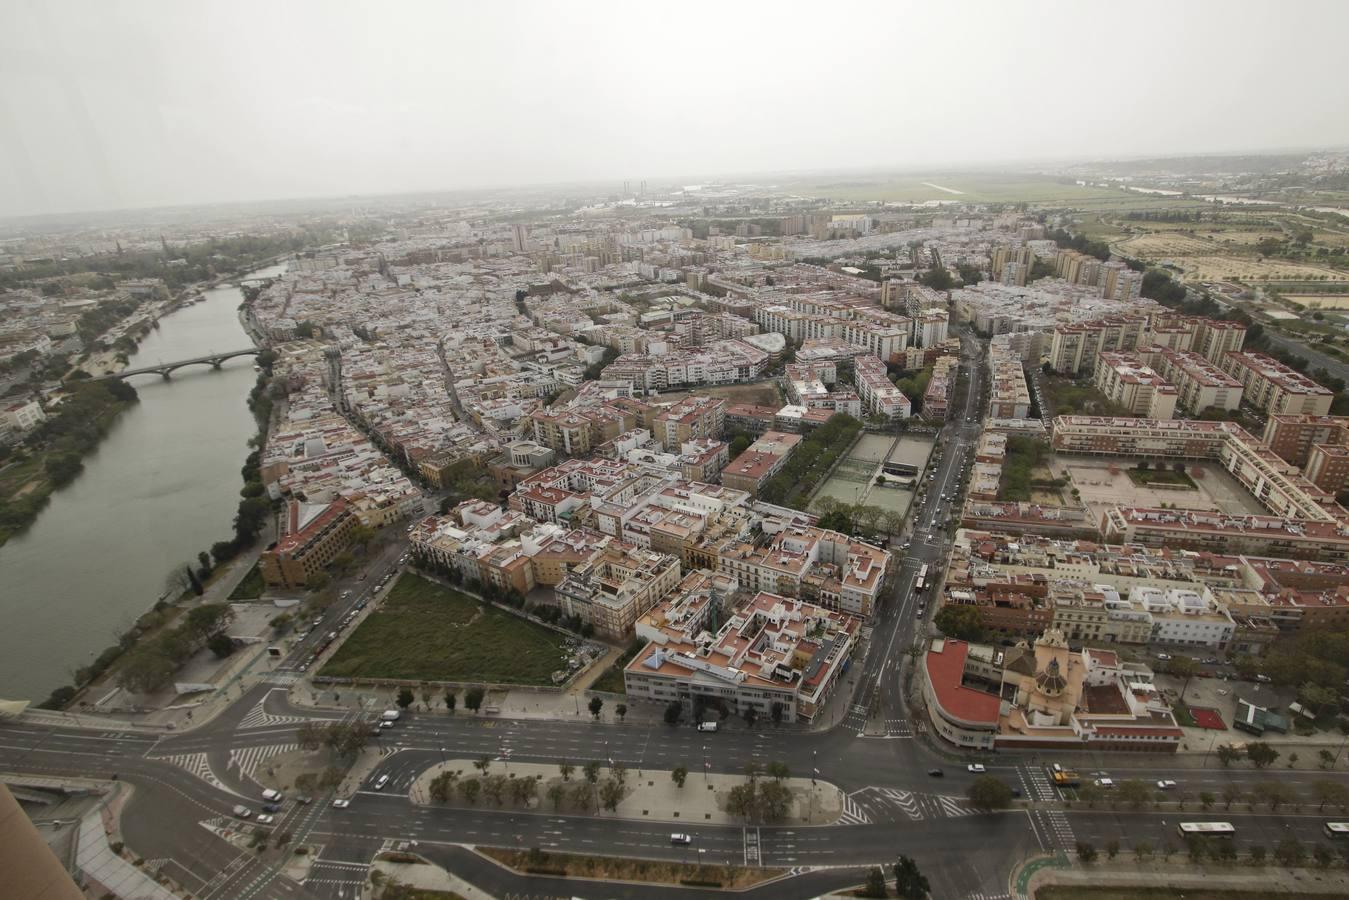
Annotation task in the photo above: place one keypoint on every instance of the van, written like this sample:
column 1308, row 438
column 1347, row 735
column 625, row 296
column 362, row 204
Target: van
column 272, row 796
column 389, row 715
column 707, row 726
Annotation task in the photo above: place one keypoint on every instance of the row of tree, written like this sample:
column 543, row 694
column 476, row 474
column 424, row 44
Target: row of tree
column 1288, row 852
column 152, row 663
column 811, row 461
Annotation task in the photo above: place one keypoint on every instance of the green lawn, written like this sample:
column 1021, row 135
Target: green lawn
column 427, row 632
column 250, row 588
column 1162, row 476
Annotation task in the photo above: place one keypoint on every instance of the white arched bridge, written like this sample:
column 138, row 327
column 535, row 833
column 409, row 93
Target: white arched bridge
column 163, row 369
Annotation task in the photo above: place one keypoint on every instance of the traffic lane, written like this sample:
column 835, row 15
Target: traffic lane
column 497, row 881
column 1129, row 827
column 330, row 619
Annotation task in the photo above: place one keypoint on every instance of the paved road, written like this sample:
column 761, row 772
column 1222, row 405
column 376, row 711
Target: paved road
column 187, row 781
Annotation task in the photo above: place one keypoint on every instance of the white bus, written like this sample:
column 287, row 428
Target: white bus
column 918, row 586
column 1212, row 829
column 922, row 572
column 1336, row 829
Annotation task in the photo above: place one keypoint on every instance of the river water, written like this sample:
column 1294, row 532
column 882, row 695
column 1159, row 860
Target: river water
column 162, row 485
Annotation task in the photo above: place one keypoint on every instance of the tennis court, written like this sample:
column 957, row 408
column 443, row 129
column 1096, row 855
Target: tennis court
column 1206, row 717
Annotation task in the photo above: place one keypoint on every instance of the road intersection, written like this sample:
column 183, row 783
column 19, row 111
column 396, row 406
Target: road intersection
column 185, row 783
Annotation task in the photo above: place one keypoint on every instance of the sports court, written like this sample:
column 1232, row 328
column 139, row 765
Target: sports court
column 1207, row 717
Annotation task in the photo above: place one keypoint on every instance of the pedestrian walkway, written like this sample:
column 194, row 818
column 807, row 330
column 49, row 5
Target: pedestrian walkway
column 248, row 759
column 875, row 804
column 431, row 878
column 197, row 764
column 94, row 857
column 258, row 717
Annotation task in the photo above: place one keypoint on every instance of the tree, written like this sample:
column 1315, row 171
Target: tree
column 960, row 621
column 778, row 771
column 910, row 883
column 1134, row 792
column 751, row 716
column 679, row 775
column 1261, row 754
column 775, row 799
column 1231, row 794
column 1321, row 853
column 451, row 699
column 1111, row 848
column 611, row 792
column 987, row 793
column 1086, row 852
column 595, row 705
column 1290, row 852
column 583, row 797
column 777, row 712
column 1206, row 800
column 1185, row 668
column 565, row 768
column 592, row 771
column 482, row 764
column 1257, row 855
column 473, row 698
column 1228, row 754
column 875, row 886
column 674, row 710
column 470, row 788
column 405, row 698
column 222, row 645
column 1142, row 851
column 555, row 794
column 622, row 711
column 310, row 735
column 194, row 582
column 494, row 786
column 742, row 800
column 1333, row 792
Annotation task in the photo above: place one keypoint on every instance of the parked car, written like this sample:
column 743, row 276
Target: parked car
column 341, row 803
column 271, row 807
column 272, row 796
column 242, row 812
column 264, row 820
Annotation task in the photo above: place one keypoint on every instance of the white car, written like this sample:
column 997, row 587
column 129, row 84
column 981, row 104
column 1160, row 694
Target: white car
column 341, row 803
column 976, row 768
column 1166, row 785
column 1106, row 783
column 383, row 780
column 264, row 819
column 678, row 838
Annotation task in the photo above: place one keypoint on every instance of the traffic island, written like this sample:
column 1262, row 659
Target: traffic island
column 629, row 793
column 612, row 868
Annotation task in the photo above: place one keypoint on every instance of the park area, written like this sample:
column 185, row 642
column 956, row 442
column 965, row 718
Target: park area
column 424, row 631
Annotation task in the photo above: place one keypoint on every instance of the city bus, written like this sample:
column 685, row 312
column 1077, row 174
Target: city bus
column 918, row 585
column 1211, row 829
column 1336, row 829
column 922, row 572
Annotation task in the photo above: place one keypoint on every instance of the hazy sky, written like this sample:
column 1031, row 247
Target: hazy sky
column 108, row 104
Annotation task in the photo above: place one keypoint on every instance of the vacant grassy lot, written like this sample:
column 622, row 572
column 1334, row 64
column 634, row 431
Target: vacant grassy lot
column 1146, row 477
column 426, row 632
column 250, row 588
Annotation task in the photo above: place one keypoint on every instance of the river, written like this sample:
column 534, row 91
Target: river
column 162, row 485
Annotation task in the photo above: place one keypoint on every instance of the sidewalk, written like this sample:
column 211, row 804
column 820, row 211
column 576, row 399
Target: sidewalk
column 427, row 877
column 100, row 865
column 650, row 794
column 1180, row 873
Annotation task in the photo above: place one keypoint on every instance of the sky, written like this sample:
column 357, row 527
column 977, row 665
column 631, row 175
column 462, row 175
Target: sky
column 108, row 105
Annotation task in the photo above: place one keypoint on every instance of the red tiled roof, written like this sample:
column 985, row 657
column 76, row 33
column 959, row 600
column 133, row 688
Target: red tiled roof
column 945, row 670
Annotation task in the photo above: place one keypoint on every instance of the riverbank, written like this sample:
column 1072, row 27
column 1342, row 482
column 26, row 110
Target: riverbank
column 156, row 492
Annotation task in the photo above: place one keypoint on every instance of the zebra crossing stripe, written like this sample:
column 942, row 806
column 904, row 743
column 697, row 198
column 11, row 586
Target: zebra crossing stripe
column 247, row 759
column 197, row 764
column 853, row 814
column 258, row 717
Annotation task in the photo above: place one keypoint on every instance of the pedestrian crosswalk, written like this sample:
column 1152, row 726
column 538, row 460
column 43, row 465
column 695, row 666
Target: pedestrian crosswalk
column 889, row 804
column 1054, row 829
column 247, row 759
column 258, row 717
column 199, row 765
column 1035, row 784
